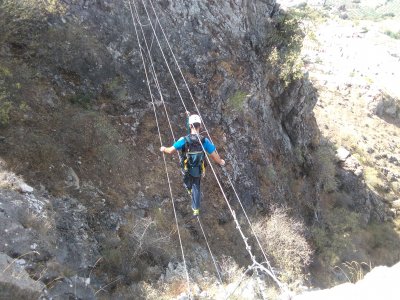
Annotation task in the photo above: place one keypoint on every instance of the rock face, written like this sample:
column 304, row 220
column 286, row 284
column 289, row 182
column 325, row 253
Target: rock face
column 93, row 93
column 15, row 282
column 90, row 60
column 80, row 129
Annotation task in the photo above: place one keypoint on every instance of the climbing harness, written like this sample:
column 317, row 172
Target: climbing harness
column 192, row 156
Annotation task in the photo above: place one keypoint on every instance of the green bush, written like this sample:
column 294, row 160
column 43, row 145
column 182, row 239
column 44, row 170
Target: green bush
column 324, row 168
column 82, row 99
column 334, row 235
column 286, row 41
column 4, row 71
column 5, row 108
column 237, row 100
column 393, row 34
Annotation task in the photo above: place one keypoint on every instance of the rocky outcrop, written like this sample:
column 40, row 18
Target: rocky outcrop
column 81, row 131
column 43, row 231
column 15, row 282
column 381, row 282
column 384, row 105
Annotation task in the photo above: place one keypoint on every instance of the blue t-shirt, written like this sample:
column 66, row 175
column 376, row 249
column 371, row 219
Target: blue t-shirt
column 208, row 146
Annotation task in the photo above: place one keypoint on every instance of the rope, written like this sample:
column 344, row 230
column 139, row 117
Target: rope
column 248, row 248
column 178, row 66
column 169, row 122
column 248, row 220
column 209, row 249
column 238, row 227
column 159, row 135
column 154, row 72
column 205, row 128
column 163, row 55
column 240, row 281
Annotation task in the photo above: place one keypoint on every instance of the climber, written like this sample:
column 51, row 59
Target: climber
column 193, row 158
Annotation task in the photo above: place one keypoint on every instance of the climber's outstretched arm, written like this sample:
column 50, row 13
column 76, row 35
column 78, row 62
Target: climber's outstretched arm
column 215, row 157
column 168, row 150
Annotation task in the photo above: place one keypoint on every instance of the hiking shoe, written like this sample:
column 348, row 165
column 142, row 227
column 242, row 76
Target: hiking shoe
column 189, row 192
column 196, row 212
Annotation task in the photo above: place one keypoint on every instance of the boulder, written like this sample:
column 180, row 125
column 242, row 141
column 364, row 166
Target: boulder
column 396, row 204
column 353, row 165
column 24, row 188
column 342, row 154
column 15, row 282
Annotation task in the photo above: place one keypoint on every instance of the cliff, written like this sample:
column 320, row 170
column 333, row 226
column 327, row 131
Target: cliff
column 77, row 125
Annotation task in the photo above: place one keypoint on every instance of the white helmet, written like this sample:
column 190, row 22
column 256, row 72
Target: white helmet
column 194, row 119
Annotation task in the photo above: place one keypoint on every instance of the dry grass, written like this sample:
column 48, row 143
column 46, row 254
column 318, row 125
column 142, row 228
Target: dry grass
column 354, row 271
column 283, row 238
column 139, row 244
column 40, row 222
column 230, row 270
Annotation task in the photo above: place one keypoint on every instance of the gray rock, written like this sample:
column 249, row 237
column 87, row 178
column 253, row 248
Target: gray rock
column 183, row 296
column 15, row 282
column 72, row 180
column 396, row 204
column 394, row 160
column 342, row 154
column 24, row 188
column 74, row 286
column 353, row 165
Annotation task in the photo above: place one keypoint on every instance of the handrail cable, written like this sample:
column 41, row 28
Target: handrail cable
column 165, row 163
column 238, row 227
column 163, row 55
column 240, row 281
column 169, row 122
column 248, row 248
column 248, row 220
column 153, row 71
column 177, row 64
column 270, row 272
column 205, row 128
column 209, row 249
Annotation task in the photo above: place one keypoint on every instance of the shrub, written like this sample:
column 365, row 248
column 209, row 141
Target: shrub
column 82, row 99
column 324, row 168
column 139, row 242
column 4, row 71
column 40, row 222
column 393, row 34
column 353, row 270
column 283, row 238
column 286, row 41
column 346, row 245
column 334, row 236
column 5, row 108
column 230, row 271
column 375, row 180
column 237, row 100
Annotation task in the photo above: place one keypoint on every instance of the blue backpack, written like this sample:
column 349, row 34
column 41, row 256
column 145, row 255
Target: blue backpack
column 193, row 156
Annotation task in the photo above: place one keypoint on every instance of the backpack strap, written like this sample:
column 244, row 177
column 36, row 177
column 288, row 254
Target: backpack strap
column 188, row 141
column 187, row 154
